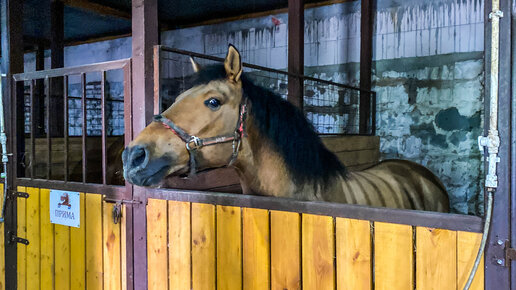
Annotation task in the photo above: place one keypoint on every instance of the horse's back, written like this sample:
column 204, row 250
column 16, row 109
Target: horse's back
column 411, row 185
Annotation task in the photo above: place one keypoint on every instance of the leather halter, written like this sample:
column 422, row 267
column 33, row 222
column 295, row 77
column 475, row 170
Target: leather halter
column 193, row 142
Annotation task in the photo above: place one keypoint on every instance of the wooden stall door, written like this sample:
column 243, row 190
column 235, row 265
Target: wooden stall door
column 61, row 257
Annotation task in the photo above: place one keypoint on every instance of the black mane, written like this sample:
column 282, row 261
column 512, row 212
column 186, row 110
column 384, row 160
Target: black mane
column 286, row 127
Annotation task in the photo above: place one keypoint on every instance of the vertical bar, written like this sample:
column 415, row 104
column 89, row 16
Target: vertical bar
column 373, row 114
column 32, row 129
column 157, row 79
column 103, row 112
column 366, row 58
column 296, row 24
column 49, row 124
column 84, row 126
column 65, row 131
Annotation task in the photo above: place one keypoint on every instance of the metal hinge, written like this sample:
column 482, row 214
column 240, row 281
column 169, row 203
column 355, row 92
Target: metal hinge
column 16, row 194
column 510, row 253
column 117, row 213
column 14, row 239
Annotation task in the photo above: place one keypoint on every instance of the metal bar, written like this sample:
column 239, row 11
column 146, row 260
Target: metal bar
column 296, row 25
column 49, row 126
column 111, row 191
column 157, row 79
column 58, row 72
column 65, row 131
column 104, row 125
column 366, row 59
column 373, row 114
column 32, row 129
column 84, row 127
column 454, row 222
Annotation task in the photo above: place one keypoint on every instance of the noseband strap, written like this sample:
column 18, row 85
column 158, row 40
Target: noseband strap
column 192, row 142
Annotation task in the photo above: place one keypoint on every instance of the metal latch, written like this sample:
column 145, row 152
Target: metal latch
column 510, row 253
column 117, row 212
column 14, row 239
column 16, row 194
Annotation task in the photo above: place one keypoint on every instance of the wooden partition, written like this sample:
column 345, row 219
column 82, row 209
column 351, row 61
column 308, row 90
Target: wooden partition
column 205, row 246
column 61, row 257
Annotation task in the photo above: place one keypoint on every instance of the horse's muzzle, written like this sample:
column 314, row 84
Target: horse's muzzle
column 141, row 169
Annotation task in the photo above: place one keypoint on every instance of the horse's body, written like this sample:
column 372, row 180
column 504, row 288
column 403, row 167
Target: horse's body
column 275, row 150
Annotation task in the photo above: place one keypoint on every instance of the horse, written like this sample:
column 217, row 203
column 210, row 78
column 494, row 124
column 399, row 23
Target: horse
column 224, row 119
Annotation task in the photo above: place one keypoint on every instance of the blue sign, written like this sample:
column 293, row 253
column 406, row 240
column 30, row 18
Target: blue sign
column 65, row 208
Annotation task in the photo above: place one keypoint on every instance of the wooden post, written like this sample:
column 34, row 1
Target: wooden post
column 56, row 61
column 366, row 58
column 39, row 100
column 12, row 62
column 144, row 38
column 296, row 24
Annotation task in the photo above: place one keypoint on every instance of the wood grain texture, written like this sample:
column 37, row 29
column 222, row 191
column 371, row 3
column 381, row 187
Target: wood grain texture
column 62, row 256
column 157, row 270
column 179, row 259
column 256, row 249
column 436, row 259
column 47, row 241
column 393, row 250
column 21, row 231
column 467, row 248
column 353, row 254
column 34, row 237
column 285, row 250
column 318, row 252
column 111, row 241
column 78, row 250
column 229, row 248
column 203, row 246
column 94, row 253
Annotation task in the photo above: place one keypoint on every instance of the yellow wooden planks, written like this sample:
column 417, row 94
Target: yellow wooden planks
column 318, row 252
column 256, row 248
column 229, row 248
column 47, row 241
column 34, row 237
column 62, row 256
column 353, row 254
column 2, row 244
column 157, row 244
column 94, row 253
column 179, row 260
column 21, row 231
column 111, row 241
column 78, row 251
column 203, row 246
column 393, row 249
column 285, row 250
column 436, row 259
column 467, row 248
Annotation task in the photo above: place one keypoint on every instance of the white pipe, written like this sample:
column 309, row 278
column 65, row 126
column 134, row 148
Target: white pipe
column 3, row 142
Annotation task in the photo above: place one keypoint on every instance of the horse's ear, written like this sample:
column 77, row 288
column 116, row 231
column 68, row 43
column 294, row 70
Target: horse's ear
column 196, row 67
column 233, row 64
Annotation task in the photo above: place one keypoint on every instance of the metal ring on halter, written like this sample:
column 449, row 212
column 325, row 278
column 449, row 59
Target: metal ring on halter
column 196, row 141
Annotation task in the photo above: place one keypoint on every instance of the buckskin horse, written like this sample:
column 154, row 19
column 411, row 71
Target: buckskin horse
column 226, row 120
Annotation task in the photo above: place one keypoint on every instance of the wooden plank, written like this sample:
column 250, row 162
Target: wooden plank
column 123, row 245
column 256, row 248
column 47, row 263
column 62, row 256
column 229, row 247
column 318, row 252
column 285, row 250
column 179, row 259
column 34, row 237
column 350, row 143
column 353, row 254
column 111, row 240
column 157, row 244
column 2, row 244
column 203, row 246
column 78, row 250
column 359, row 157
column 467, row 248
column 436, row 259
column 394, row 256
column 94, row 257
column 21, row 231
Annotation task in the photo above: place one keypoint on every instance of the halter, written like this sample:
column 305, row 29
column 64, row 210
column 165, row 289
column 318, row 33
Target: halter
column 192, row 142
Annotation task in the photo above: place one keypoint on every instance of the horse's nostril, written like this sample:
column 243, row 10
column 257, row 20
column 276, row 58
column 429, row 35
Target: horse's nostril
column 138, row 156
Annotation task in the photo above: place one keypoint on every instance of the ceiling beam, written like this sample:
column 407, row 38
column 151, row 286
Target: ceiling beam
column 97, row 8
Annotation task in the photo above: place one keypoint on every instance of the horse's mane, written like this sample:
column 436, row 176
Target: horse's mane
column 286, row 127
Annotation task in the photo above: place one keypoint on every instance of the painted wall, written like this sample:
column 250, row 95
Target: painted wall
column 428, row 74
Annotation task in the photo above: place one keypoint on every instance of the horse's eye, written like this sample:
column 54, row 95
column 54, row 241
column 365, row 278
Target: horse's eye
column 212, row 103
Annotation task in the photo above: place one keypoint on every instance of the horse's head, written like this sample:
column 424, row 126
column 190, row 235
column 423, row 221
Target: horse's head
column 210, row 108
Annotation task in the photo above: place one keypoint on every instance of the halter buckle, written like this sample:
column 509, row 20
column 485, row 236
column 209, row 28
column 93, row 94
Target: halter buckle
column 196, row 141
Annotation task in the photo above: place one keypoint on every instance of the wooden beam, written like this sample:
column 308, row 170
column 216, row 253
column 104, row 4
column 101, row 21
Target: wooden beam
column 97, row 8
column 366, row 59
column 56, row 61
column 296, row 25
